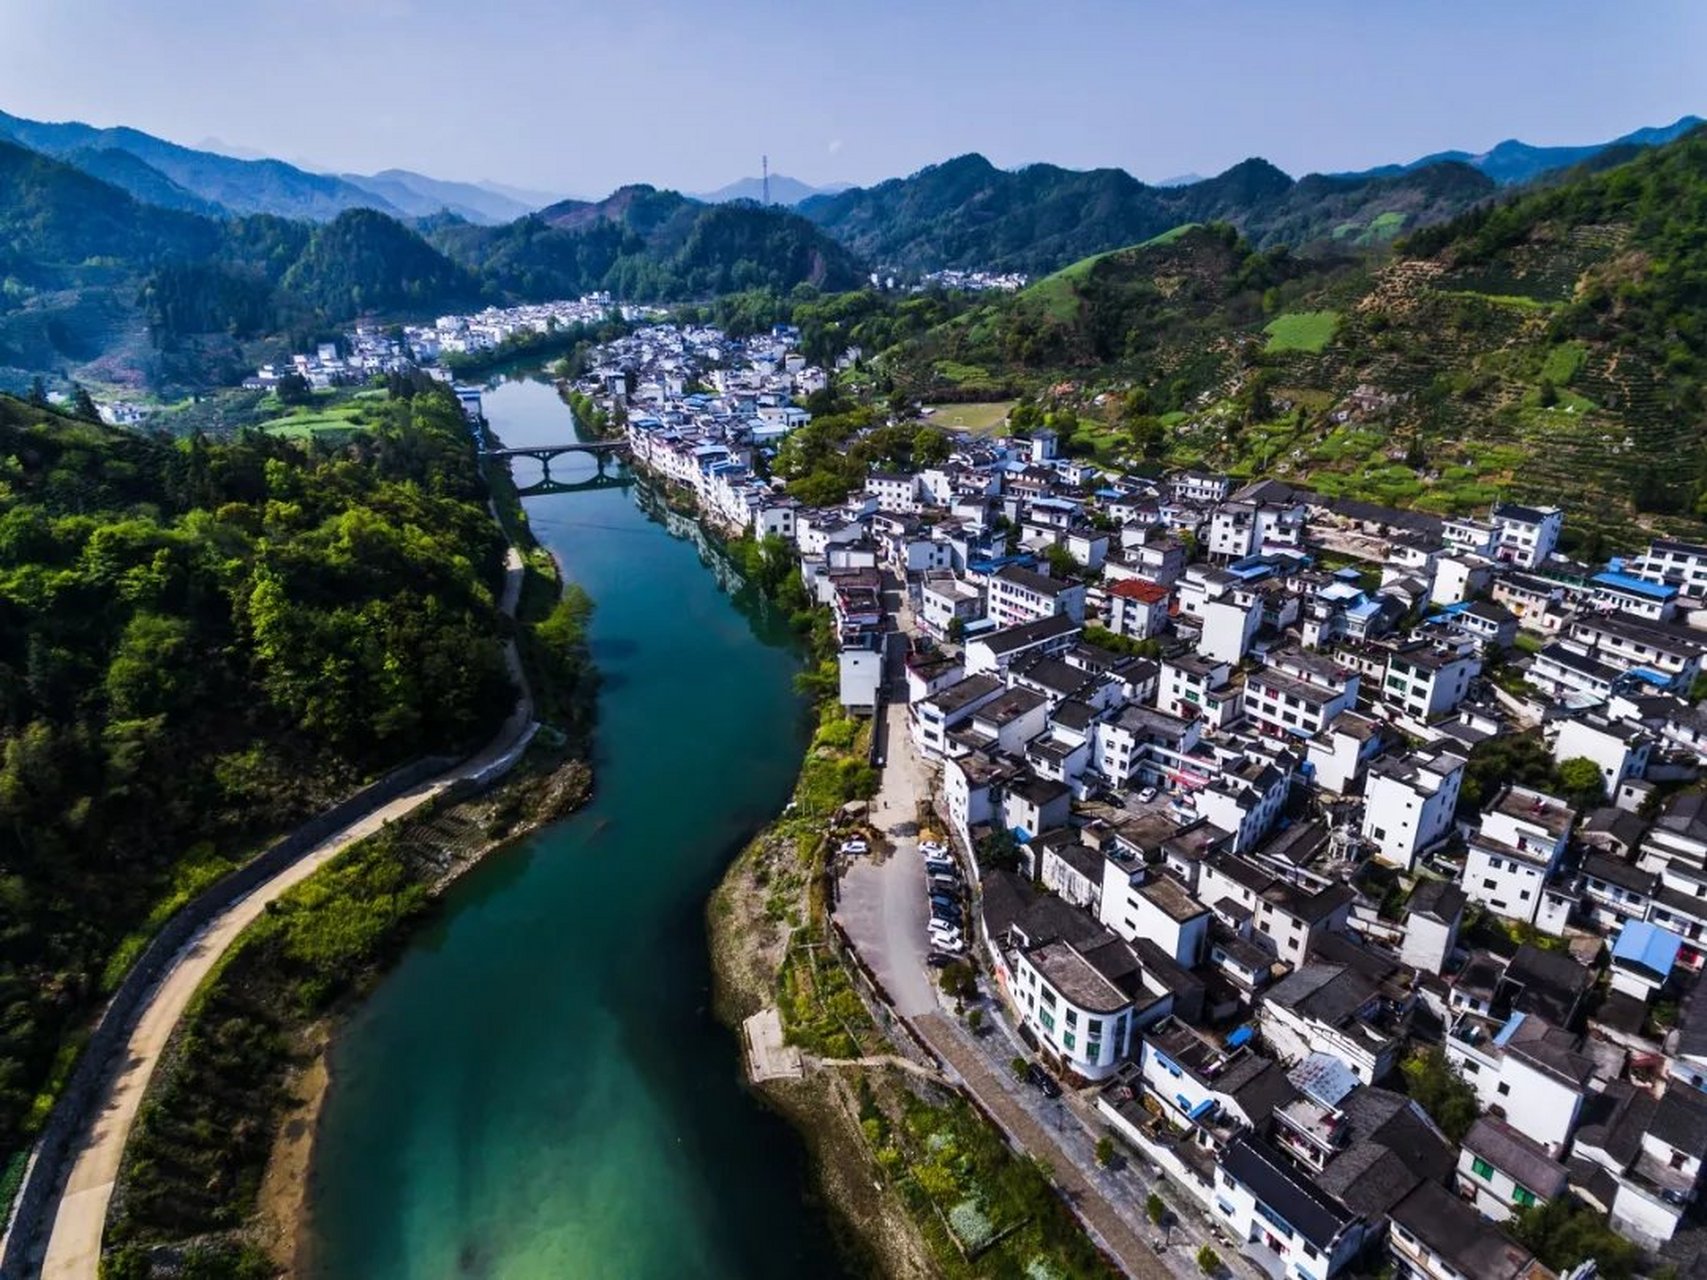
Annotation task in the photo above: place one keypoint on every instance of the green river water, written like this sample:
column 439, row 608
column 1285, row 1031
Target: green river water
column 539, row 1088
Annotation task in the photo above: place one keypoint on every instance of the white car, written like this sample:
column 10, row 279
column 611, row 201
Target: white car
column 945, row 932
column 1147, row 794
column 953, row 946
column 933, row 849
column 856, row 845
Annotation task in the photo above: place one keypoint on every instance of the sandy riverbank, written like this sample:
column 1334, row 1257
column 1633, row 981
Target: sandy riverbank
column 283, row 1221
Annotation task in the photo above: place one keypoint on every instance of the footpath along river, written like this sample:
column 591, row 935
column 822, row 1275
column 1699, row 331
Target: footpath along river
column 539, row 1089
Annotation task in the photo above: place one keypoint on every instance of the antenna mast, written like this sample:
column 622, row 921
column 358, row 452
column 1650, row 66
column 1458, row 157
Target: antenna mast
column 765, row 168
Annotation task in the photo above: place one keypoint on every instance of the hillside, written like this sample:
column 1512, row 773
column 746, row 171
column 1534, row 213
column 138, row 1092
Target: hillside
column 968, row 213
column 103, row 286
column 642, row 243
column 420, row 196
column 201, row 643
column 239, row 186
column 1549, row 348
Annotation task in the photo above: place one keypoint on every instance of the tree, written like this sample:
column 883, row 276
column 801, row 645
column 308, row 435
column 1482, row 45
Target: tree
column 1061, row 562
column 999, row 851
column 1438, row 1088
column 1155, row 1208
column 930, row 447
column 957, row 628
column 294, row 389
column 83, row 405
column 38, row 393
column 1581, row 781
column 1105, row 1151
column 1208, row 1261
column 1563, row 1232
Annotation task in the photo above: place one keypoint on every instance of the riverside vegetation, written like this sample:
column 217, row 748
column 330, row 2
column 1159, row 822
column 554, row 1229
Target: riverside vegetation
column 209, row 1187
column 971, row 1206
column 204, row 643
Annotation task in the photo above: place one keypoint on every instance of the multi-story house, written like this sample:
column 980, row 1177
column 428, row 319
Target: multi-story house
column 1619, row 748
column 997, row 650
column 1332, row 1009
column 1527, row 535
column 1137, row 608
column 1612, row 592
column 1535, row 1074
column 1425, row 680
column 1409, row 802
column 1018, row 595
column 1298, row 693
column 1679, row 564
column 1501, row 1170
column 1436, row 1236
column 1516, row 852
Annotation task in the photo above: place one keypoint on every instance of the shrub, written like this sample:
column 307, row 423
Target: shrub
column 1208, row 1261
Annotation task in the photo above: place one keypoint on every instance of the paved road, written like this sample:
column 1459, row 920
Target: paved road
column 883, row 905
column 1111, row 1228
column 74, row 1247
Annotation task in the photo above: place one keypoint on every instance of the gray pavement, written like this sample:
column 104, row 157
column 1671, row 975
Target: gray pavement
column 882, row 905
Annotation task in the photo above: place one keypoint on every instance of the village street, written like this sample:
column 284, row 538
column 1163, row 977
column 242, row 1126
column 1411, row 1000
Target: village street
column 883, row 909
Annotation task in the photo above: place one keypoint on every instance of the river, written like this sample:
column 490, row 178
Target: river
column 539, row 1088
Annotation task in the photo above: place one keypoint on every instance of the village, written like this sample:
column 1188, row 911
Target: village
column 1234, row 872
column 370, row 350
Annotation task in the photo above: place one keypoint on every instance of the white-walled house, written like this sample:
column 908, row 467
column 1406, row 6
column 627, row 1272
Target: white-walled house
column 1534, row 1073
column 1526, row 535
column 1409, row 802
column 1619, row 748
column 1501, row 1170
column 1018, row 595
column 1515, row 852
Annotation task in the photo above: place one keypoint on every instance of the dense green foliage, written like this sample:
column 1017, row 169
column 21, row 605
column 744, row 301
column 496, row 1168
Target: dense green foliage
column 201, row 643
column 642, row 244
column 968, row 213
column 1565, row 1232
column 1439, row 1090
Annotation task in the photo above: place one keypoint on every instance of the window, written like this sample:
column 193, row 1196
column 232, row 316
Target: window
column 1048, row 998
column 1067, row 1040
column 1504, row 1089
column 1048, row 1020
column 1482, row 1169
column 1093, row 1027
column 1072, row 1017
column 1677, row 1159
column 1521, row 1195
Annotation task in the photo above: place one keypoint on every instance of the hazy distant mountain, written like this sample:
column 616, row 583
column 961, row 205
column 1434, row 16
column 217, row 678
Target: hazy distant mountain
column 525, row 195
column 784, row 190
column 1180, row 180
column 1512, row 162
column 240, row 186
column 421, row 196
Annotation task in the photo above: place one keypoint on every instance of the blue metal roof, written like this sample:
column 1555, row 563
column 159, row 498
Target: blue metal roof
column 1647, row 945
column 1239, row 1036
column 1636, row 586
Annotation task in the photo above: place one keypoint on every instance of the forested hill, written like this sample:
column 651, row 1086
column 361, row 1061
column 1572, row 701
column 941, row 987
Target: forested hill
column 968, row 213
column 201, row 644
column 1550, row 347
column 101, row 285
column 644, row 244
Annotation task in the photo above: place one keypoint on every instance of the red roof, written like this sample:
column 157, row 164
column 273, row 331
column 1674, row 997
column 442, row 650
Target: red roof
column 1140, row 590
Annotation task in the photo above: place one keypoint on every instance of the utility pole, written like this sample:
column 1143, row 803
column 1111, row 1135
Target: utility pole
column 765, row 169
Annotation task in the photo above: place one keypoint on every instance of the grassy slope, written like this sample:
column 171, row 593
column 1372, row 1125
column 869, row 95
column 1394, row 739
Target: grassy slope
column 1548, row 352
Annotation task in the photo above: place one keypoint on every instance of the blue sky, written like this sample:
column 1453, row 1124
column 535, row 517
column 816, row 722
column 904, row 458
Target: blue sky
column 579, row 97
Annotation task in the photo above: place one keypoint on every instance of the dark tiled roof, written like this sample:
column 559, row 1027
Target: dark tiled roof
column 1269, row 1176
column 1455, row 1231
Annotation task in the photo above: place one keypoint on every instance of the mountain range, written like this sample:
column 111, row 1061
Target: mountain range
column 127, row 258
column 1512, row 162
column 784, row 190
column 214, row 183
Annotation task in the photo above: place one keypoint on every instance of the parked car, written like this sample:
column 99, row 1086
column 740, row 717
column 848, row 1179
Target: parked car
column 855, row 846
column 1040, row 1079
column 947, row 915
column 940, row 932
column 933, row 848
column 1147, row 794
column 935, row 868
column 948, row 884
column 939, row 959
